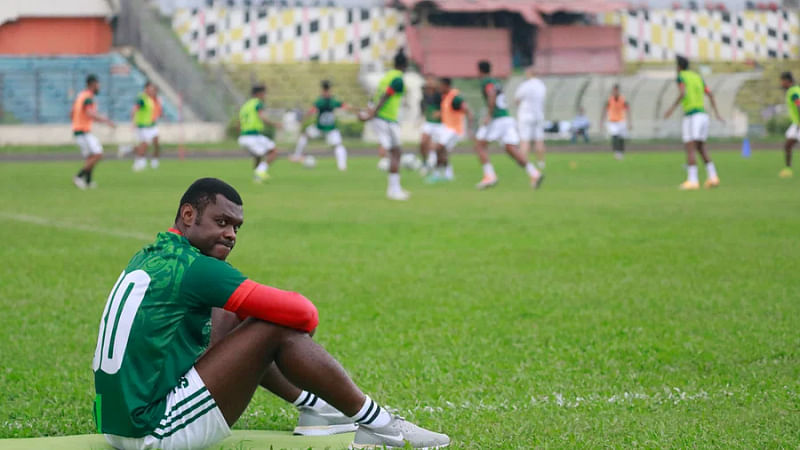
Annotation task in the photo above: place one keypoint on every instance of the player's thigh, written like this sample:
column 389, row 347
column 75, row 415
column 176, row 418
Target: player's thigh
column 242, row 355
column 700, row 127
column 686, row 129
column 333, row 137
column 793, row 132
column 507, row 131
column 92, row 145
column 526, row 128
column 447, row 138
column 83, row 145
column 143, row 135
column 192, row 419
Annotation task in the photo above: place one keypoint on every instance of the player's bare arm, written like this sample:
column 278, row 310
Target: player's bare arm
column 713, row 104
column 681, row 94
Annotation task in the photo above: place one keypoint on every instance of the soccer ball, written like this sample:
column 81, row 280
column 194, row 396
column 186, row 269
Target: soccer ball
column 309, row 162
column 410, row 161
column 383, row 164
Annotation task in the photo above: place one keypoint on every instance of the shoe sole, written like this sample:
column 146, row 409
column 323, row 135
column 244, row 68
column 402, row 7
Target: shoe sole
column 486, row 186
column 325, row 430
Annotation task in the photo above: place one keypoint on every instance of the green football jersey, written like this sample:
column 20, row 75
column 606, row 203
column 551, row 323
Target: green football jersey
column 249, row 118
column 500, row 103
column 430, row 105
column 391, row 108
column 156, row 323
column 792, row 95
column 326, row 119
column 694, row 90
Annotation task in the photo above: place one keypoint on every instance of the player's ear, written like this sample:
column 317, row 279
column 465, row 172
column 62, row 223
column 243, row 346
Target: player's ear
column 188, row 214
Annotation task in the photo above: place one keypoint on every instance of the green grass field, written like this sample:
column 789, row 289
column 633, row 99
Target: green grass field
column 607, row 309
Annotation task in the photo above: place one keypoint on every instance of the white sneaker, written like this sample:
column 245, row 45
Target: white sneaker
column 323, row 422
column 154, row 164
column 79, row 183
column 92, row 185
column 619, row 155
column 396, row 434
column 398, row 194
column 139, row 165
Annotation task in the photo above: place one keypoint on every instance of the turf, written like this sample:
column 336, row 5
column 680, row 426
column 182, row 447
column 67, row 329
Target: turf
column 607, row 309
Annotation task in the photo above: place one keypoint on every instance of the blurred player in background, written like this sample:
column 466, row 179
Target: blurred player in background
column 325, row 108
column 385, row 113
column 530, row 98
column 84, row 111
column 252, row 124
column 793, row 108
column 695, row 124
column 616, row 110
column 430, row 107
column 143, row 117
column 453, row 112
column 499, row 126
column 158, row 111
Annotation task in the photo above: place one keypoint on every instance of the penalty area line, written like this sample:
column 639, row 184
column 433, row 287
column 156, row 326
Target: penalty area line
column 45, row 222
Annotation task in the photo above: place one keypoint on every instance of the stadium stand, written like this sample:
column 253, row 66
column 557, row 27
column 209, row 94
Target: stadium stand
column 297, row 85
column 41, row 89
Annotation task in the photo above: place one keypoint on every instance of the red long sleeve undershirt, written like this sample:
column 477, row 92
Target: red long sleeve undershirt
column 267, row 303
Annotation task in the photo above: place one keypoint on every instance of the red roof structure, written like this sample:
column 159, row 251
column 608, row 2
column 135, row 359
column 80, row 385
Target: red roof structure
column 530, row 10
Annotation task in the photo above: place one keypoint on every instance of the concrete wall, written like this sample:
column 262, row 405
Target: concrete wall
column 124, row 134
column 455, row 51
column 56, row 36
column 578, row 49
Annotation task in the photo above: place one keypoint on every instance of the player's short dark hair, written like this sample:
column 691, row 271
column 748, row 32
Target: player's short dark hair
column 787, row 76
column 257, row 89
column 446, row 81
column 325, row 84
column 484, row 66
column 92, row 78
column 683, row 63
column 204, row 191
column 400, row 59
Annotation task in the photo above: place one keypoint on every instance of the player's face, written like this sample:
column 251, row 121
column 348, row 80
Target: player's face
column 95, row 87
column 786, row 84
column 214, row 232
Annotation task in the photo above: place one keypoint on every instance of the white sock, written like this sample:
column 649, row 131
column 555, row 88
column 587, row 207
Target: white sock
column 341, row 156
column 488, row 170
column 309, row 400
column 692, row 174
column 431, row 162
column 532, row 170
column 140, row 161
column 711, row 170
column 371, row 415
column 448, row 172
column 301, row 145
column 262, row 166
column 394, row 181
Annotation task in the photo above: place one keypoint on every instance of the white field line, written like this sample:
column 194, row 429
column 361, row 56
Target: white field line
column 45, row 222
column 668, row 397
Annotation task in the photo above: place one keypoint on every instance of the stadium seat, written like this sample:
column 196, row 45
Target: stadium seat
column 42, row 89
